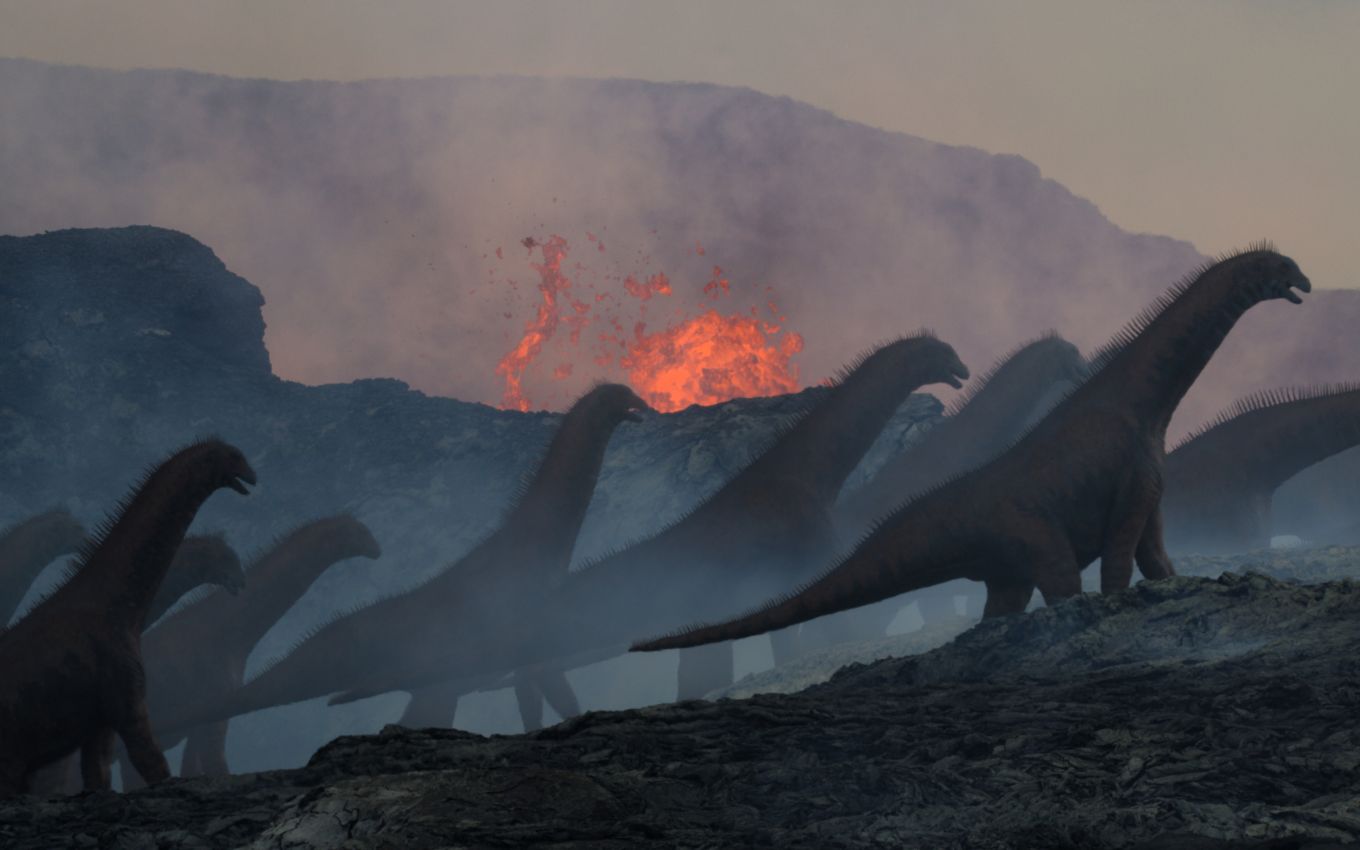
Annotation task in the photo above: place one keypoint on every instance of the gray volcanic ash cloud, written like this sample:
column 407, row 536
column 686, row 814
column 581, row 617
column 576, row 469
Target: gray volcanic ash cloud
column 367, row 213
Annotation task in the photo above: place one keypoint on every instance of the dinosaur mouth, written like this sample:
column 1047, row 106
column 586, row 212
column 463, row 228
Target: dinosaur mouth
column 239, row 482
column 1303, row 285
column 958, row 374
column 235, row 585
column 634, row 413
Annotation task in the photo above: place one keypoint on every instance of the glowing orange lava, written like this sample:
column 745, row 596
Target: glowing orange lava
column 702, row 359
column 709, row 359
column 551, row 283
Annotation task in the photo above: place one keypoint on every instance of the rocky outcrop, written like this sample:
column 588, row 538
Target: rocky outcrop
column 1187, row 713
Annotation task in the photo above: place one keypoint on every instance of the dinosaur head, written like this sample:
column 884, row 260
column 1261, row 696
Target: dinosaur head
column 1265, row 275
column 618, row 403
column 1056, row 359
column 209, row 559
column 932, row 359
column 220, row 464
column 59, row 531
column 351, row 537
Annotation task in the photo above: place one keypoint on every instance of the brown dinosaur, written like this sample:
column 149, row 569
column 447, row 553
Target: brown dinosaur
column 28, row 546
column 1220, row 480
column 979, row 423
column 757, row 533
column 201, row 560
column 72, row 668
column 199, row 652
column 487, row 591
column 1084, row 483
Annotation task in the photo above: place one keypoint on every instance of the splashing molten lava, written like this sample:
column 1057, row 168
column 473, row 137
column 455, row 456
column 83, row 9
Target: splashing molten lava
column 706, row 358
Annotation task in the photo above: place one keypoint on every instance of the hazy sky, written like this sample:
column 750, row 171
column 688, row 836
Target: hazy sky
column 1215, row 121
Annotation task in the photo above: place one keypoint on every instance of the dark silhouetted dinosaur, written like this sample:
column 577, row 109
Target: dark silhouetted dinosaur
column 1220, row 480
column 996, row 408
column 28, row 546
column 199, row 653
column 1084, row 483
column 72, row 667
column 202, row 559
column 487, row 592
column 758, row 533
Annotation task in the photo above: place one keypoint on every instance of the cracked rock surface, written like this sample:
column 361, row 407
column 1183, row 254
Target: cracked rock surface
column 1187, row 713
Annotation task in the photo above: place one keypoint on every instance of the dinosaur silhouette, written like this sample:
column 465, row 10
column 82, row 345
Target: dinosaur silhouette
column 487, row 591
column 1083, row 484
column 202, row 559
column 72, row 667
column 1220, row 480
column 199, row 653
column 759, row 531
column 28, row 546
column 980, row 422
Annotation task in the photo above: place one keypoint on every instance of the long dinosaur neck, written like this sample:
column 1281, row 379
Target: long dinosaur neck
column 1273, row 444
column 178, row 581
column 823, row 448
column 24, row 550
column 276, row 581
column 132, row 558
column 1155, row 370
column 554, row 504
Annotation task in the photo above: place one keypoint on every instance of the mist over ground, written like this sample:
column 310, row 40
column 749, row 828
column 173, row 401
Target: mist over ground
column 369, row 214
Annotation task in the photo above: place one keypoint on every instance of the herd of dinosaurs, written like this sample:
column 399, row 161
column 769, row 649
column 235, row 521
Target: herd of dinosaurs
column 1042, row 466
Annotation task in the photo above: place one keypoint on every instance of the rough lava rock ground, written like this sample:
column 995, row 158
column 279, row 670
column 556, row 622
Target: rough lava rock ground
column 1186, row 713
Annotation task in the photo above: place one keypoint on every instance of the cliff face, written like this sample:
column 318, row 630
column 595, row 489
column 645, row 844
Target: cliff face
column 116, row 346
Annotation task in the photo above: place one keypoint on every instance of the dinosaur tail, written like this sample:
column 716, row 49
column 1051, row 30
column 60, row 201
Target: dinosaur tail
column 863, row 577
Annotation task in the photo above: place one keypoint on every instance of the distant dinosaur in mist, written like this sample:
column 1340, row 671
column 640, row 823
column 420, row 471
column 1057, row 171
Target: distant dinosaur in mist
column 491, row 590
column 761, row 530
column 202, row 559
column 1221, row 479
column 1084, row 483
column 979, row 424
column 28, row 546
column 199, row 653
column 72, row 667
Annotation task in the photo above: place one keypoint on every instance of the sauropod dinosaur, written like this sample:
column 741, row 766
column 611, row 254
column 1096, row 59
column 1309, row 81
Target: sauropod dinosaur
column 1083, row 484
column 202, row 559
column 72, row 666
column 989, row 415
column 199, row 653
column 761, row 530
column 1220, row 480
column 28, row 546
column 487, row 592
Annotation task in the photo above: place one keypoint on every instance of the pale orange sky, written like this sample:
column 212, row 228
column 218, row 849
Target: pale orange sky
column 1215, row 121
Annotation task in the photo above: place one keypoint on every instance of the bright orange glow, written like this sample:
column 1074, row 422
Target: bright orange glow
column 709, row 359
column 700, row 359
column 551, row 283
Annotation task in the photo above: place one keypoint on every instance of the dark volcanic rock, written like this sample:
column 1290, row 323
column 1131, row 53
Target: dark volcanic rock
column 1185, row 713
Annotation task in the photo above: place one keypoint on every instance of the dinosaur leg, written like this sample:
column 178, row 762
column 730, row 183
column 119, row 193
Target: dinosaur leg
column 1007, row 597
column 95, row 755
column 1153, row 562
column 206, row 751
column 530, row 700
column 558, row 692
column 785, row 644
column 433, row 706
column 704, row 669
column 142, row 748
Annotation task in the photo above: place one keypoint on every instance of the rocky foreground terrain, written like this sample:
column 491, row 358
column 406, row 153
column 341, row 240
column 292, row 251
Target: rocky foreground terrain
column 1187, row 713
